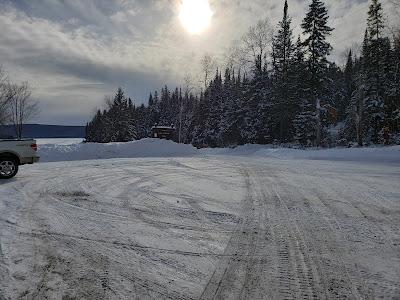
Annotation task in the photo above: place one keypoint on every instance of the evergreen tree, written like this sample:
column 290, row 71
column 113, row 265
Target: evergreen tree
column 119, row 119
column 200, row 138
column 115, row 124
column 375, row 20
column 233, row 112
column 395, row 94
column 349, row 86
column 304, row 122
column 316, row 29
column 375, row 50
column 283, row 81
column 213, row 98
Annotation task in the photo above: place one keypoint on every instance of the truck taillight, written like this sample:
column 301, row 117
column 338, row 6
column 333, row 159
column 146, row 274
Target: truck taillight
column 34, row 147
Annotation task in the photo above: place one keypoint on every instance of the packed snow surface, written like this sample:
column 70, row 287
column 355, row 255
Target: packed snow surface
column 254, row 223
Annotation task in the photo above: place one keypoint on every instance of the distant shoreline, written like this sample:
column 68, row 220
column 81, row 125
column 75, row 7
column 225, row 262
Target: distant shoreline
column 45, row 131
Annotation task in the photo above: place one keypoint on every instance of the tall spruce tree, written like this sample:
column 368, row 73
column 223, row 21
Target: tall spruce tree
column 283, row 83
column 117, row 124
column 375, row 20
column 357, row 111
column 215, row 95
column 316, row 30
column 123, row 128
column 233, row 110
column 304, row 122
column 348, row 86
column 376, row 47
column 396, row 87
column 200, row 120
column 256, row 103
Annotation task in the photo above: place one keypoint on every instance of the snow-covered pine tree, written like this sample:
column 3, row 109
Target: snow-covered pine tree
column 395, row 93
column 232, row 119
column 176, row 99
column 200, row 120
column 164, row 105
column 356, row 124
column 262, row 124
column 256, row 103
column 143, row 124
column 304, row 121
column 391, row 102
column 151, row 118
column 189, row 104
column 115, row 124
column 227, row 103
column 333, row 94
column 283, row 83
column 213, row 122
column 316, row 30
column 349, row 86
column 95, row 129
column 154, row 109
column 375, row 78
column 119, row 118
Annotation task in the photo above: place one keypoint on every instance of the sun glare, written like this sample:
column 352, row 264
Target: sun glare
column 195, row 15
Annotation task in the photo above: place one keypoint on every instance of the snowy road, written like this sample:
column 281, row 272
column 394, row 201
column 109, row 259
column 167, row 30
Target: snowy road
column 201, row 228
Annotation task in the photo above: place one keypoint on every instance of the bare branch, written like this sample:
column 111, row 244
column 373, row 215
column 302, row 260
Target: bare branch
column 396, row 6
column 252, row 51
column 21, row 105
column 4, row 113
column 257, row 43
column 236, row 57
column 208, row 64
column 188, row 84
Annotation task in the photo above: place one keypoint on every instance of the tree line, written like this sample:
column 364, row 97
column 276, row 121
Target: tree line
column 277, row 89
column 16, row 104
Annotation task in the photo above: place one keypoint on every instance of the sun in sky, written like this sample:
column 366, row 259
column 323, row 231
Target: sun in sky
column 195, row 15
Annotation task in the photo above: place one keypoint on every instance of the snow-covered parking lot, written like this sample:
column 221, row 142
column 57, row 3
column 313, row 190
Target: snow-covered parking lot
column 202, row 226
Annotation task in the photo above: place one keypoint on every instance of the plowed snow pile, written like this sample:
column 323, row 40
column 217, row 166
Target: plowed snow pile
column 90, row 151
column 386, row 155
column 62, row 151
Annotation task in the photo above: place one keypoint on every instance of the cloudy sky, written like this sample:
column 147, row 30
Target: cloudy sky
column 74, row 52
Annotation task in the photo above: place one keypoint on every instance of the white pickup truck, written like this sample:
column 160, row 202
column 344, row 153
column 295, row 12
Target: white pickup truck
column 15, row 153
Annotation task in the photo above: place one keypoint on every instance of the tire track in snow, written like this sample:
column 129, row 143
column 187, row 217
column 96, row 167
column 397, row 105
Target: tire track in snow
column 233, row 270
column 286, row 271
column 327, row 272
column 268, row 253
column 297, row 276
column 74, row 202
column 73, row 236
column 296, row 239
column 335, row 240
column 60, row 236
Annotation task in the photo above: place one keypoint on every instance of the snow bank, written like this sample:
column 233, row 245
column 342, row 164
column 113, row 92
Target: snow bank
column 161, row 148
column 89, row 151
column 59, row 141
column 385, row 155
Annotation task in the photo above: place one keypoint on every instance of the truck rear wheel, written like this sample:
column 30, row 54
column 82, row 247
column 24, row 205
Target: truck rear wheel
column 8, row 168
